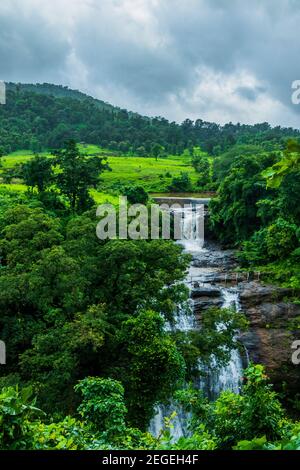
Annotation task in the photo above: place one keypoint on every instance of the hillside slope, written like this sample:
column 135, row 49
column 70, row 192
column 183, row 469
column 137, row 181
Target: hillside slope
column 39, row 117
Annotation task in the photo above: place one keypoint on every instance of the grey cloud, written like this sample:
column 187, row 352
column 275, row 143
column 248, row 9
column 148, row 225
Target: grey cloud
column 208, row 58
column 30, row 48
column 249, row 93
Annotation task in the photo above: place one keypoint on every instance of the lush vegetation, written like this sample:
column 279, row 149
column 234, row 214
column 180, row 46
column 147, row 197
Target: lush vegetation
column 45, row 116
column 85, row 319
column 154, row 175
column 73, row 306
column 253, row 420
column 257, row 209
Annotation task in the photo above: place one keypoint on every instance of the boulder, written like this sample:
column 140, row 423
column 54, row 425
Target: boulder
column 203, row 303
column 215, row 258
column 205, row 292
column 253, row 293
column 272, row 330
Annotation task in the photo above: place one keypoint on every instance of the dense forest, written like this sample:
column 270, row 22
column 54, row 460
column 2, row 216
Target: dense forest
column 84, row 319
column 45, row 116
column 258, row 193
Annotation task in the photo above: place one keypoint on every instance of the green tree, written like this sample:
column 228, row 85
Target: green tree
column 281, row 239
column 136, row 194
column 26, row 232
column 17, row 408
column 103, row 406
column 157, row 150
column 63, row 353
column 234, row 213
column 181, row 183
column 255, row 413
column 38, row 172
column 131, row 275
column 289, row 163
column 77, row 174
column 146, row 347
column 203, row 168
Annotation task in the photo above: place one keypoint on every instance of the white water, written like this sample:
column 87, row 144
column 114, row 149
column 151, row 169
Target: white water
column 192, row 228
column 217, row 379
column 227, row 377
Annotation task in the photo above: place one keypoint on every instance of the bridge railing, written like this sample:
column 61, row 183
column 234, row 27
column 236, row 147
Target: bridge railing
column 225, row 277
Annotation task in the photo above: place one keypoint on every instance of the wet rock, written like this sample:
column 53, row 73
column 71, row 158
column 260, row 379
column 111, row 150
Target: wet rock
column 204, row 303
column 272, row 330
column 254, row 293
column 272, row 315
column 205, row 292
column 216, row 258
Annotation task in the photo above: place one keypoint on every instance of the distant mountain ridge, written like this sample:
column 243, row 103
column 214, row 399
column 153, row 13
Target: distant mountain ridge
column 43, row 116
column 58, row 91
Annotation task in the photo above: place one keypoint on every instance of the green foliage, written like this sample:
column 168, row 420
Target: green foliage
column 136, row 194
column 222, row 164
column 290, row 441
column 275, row 242
column 145, row 346
column 231, row 418
column 102, row 427
column 64, row 295
column 258, row 443
column 254, row 251
column 202, row 166
column 263, row 221
column 37, row 172
column 181, row 184
column 26, row 233
column 16, row 410
column 256, row 412
column 273, row 247
column 281, row 239
column 157, row 151
column 46, row 116
column 288, row 199
column 234, row 213
column 76, row 174
column 201, row 343
column 199, row 440
column 288, row 164
column 69, row 434
column 103, row 406
column 253, row 420
column 61, row 355
column 141, row 274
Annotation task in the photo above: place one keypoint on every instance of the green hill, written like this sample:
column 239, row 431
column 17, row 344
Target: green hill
column 58, row 91
column 43, row 116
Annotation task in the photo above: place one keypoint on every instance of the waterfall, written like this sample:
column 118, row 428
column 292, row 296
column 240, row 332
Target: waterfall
column 179, row 423
column 227, row 377
column 216, row 378
column 192, row 227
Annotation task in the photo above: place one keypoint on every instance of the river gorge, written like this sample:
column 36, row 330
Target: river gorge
column 212, row 280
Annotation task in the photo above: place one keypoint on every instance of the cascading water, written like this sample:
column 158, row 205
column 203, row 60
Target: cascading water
column 227, row 377
column 216, row 379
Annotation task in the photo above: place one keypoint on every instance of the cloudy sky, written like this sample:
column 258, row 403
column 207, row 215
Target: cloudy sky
column 219, row 60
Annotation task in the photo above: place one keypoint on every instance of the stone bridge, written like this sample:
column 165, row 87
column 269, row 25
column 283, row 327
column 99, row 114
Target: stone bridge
column 182, row 201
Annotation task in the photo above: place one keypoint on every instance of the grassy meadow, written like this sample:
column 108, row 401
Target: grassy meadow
column 154, row 175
